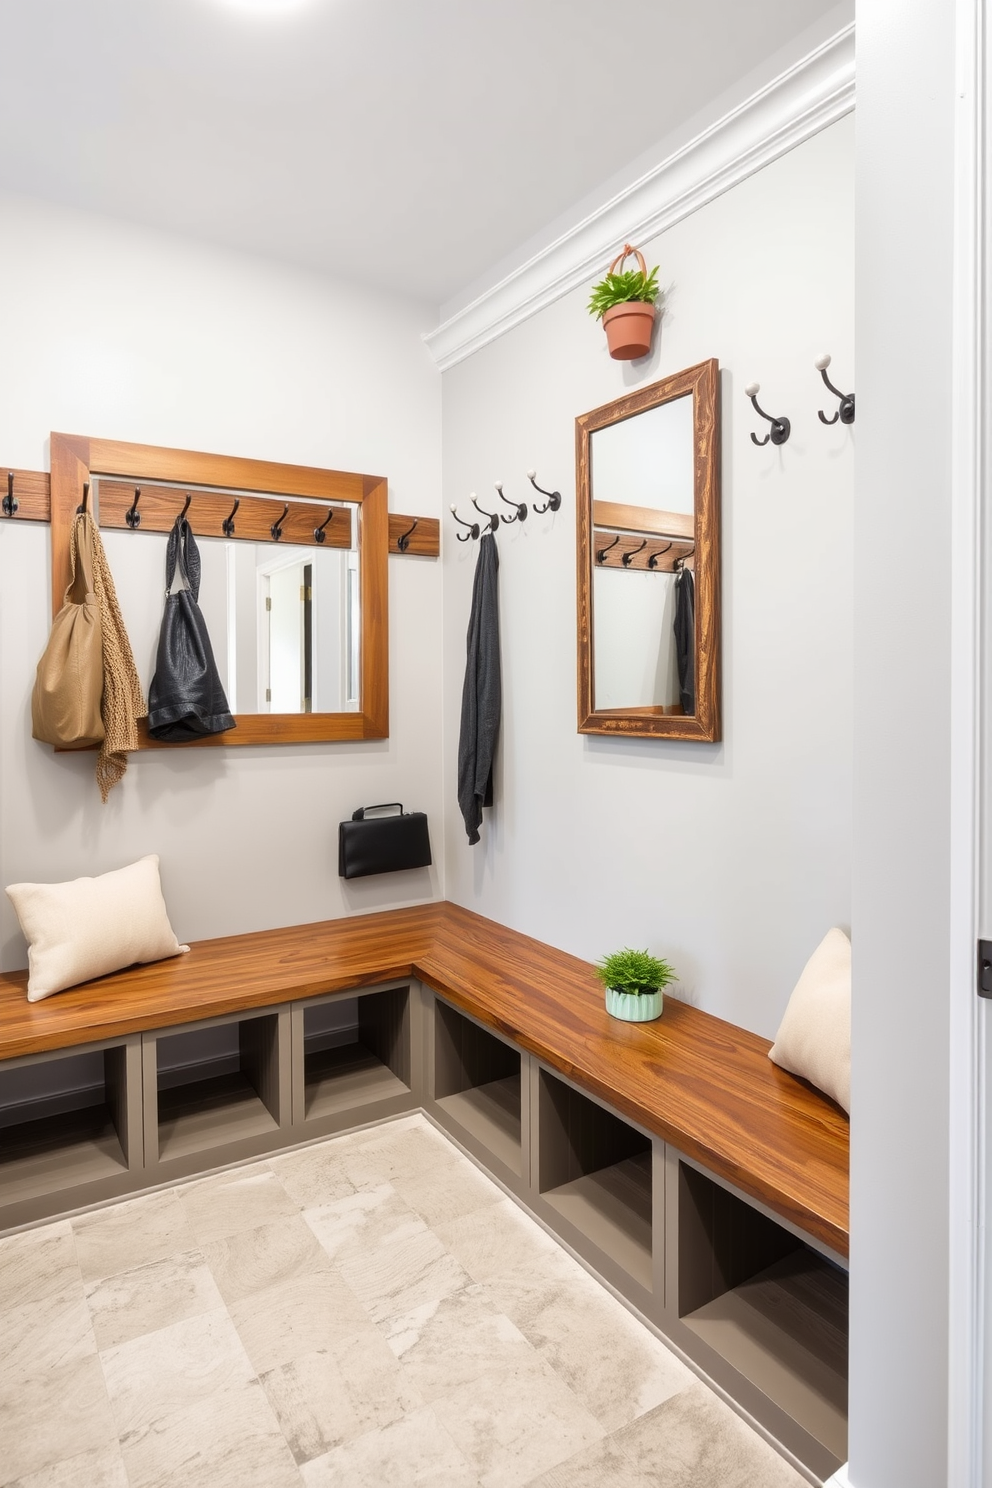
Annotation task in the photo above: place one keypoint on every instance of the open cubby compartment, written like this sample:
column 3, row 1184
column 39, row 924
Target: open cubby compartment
column 595, row 1171
column 352, row 1058
column 217, row 1090
column 477, row 1087
column 70, row 1128
column 763, row 1300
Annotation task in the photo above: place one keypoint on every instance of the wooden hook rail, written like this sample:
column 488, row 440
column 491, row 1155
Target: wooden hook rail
column 666, row 551
column 423, row 536
column 31, row 490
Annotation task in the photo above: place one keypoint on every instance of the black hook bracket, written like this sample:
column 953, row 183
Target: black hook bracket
column 846, row 410
column 473, row 527
column 10, row 503
column 554, row 497
column 319, row 535
column 227, row 526
column 492, row 518
column 653, row 560
column 627, row 558
column 132, row 516
column 521, row 507
column 601, row 555
column 781, row 427
column 276, row 528
column 186, row 507
column 403, row 541
column 80, row 510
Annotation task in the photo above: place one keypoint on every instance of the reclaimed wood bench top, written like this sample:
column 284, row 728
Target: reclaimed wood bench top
column 704, row 1085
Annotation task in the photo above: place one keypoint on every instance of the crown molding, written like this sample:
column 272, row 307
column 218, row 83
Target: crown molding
column 798, row 103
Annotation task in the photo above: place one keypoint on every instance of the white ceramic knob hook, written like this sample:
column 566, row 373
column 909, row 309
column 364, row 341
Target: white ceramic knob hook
column 823, row 362
column 752, row 390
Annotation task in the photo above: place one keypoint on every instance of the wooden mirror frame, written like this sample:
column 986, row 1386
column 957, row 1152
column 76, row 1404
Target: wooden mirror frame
column 78, row 458
column 702, row 382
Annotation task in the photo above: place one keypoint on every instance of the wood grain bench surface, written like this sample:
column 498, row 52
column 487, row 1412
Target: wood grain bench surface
column 704, row 1085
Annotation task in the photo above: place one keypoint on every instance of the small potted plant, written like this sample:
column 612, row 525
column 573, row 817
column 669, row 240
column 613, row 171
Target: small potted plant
column 626, row 304
column 633, row 982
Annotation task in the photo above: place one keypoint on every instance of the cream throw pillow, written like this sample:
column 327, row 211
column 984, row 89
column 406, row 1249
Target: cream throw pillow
column 814, row 1039
column 91, row 926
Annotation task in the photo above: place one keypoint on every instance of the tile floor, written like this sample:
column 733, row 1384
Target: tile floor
column 371, row 1312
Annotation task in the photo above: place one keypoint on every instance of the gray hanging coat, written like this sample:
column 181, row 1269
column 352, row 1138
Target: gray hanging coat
column 685, row 638
column 481, row 693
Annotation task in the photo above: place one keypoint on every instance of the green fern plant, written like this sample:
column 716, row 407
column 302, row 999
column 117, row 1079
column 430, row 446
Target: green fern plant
column 617, row 289
column 635, row 972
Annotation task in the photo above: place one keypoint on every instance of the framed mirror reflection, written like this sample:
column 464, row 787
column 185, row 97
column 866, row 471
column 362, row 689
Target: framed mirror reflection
column 648, row 553
column 292, row 579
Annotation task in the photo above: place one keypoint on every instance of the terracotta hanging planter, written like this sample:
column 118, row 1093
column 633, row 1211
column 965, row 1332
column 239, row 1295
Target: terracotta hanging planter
column 625, row 302
column 629, row 328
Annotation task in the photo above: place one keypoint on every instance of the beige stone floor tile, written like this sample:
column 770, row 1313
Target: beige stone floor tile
column 295, row 1317
column 131, row 1234
column 345, row 1390
column 250, row 1261
column 565, row 1314
column 155, row 1376
column 453, row 1340
column 229, row 1439
column 37, row 1264
column 314, row 1175
column 41, row 1335
column 403, row 1274
column 447, row 1192
column 47, row 1418
column 103, row 1467
column 151, row 1297
column 362, row 1221
column 513, row 1424
column 603, row 1465
column 694, row 1440
column 242, row 1199
column 413, row 1453
column 388, row 1152
column 496, row 1240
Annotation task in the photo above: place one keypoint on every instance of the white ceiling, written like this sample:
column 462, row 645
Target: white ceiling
column 408, row 143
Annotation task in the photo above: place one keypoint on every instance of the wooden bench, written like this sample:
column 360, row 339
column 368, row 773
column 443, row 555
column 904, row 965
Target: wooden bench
column 703, row 1183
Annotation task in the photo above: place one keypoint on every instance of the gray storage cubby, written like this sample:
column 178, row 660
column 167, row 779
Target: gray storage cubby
column 765, row 1303
column 595, row 1171
column 477, row 1086
column 352, row 1059
column 216, row 1091
column 70, row 1128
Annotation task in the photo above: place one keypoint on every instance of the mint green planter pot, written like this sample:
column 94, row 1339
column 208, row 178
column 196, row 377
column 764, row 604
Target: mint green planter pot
column 633, row 1007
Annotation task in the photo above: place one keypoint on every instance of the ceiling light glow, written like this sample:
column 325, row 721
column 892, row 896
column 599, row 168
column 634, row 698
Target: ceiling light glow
column 266, row 7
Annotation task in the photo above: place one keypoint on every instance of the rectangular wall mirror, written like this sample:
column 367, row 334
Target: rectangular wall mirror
column 297, row 620
column 648, row 516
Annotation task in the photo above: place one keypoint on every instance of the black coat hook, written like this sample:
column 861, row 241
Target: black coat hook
column 554, row 497
column 319, row 535
column 132, row 516
column 473, row 528
column 846, row 410
column 492, row 517
column 85, row 501
column 182, row 514
column 680, row 561
column 601, row 555
column 781, row 427
column 227, row 526
column 403, row 541
column 653, row 560
column 276, row 528
column 627, row 558
column 521, row 507
column 10, row 505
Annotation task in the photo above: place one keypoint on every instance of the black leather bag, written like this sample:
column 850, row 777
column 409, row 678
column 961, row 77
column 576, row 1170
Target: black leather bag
column 383, row 844
column 186, row 698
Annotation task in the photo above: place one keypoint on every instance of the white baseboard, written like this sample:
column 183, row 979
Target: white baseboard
column 839, row 1479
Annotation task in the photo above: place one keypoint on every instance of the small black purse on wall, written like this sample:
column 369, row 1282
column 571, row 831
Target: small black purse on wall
column 383, row 844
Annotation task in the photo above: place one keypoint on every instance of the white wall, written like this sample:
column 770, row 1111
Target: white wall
column 124, row 333
column 732, row 859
